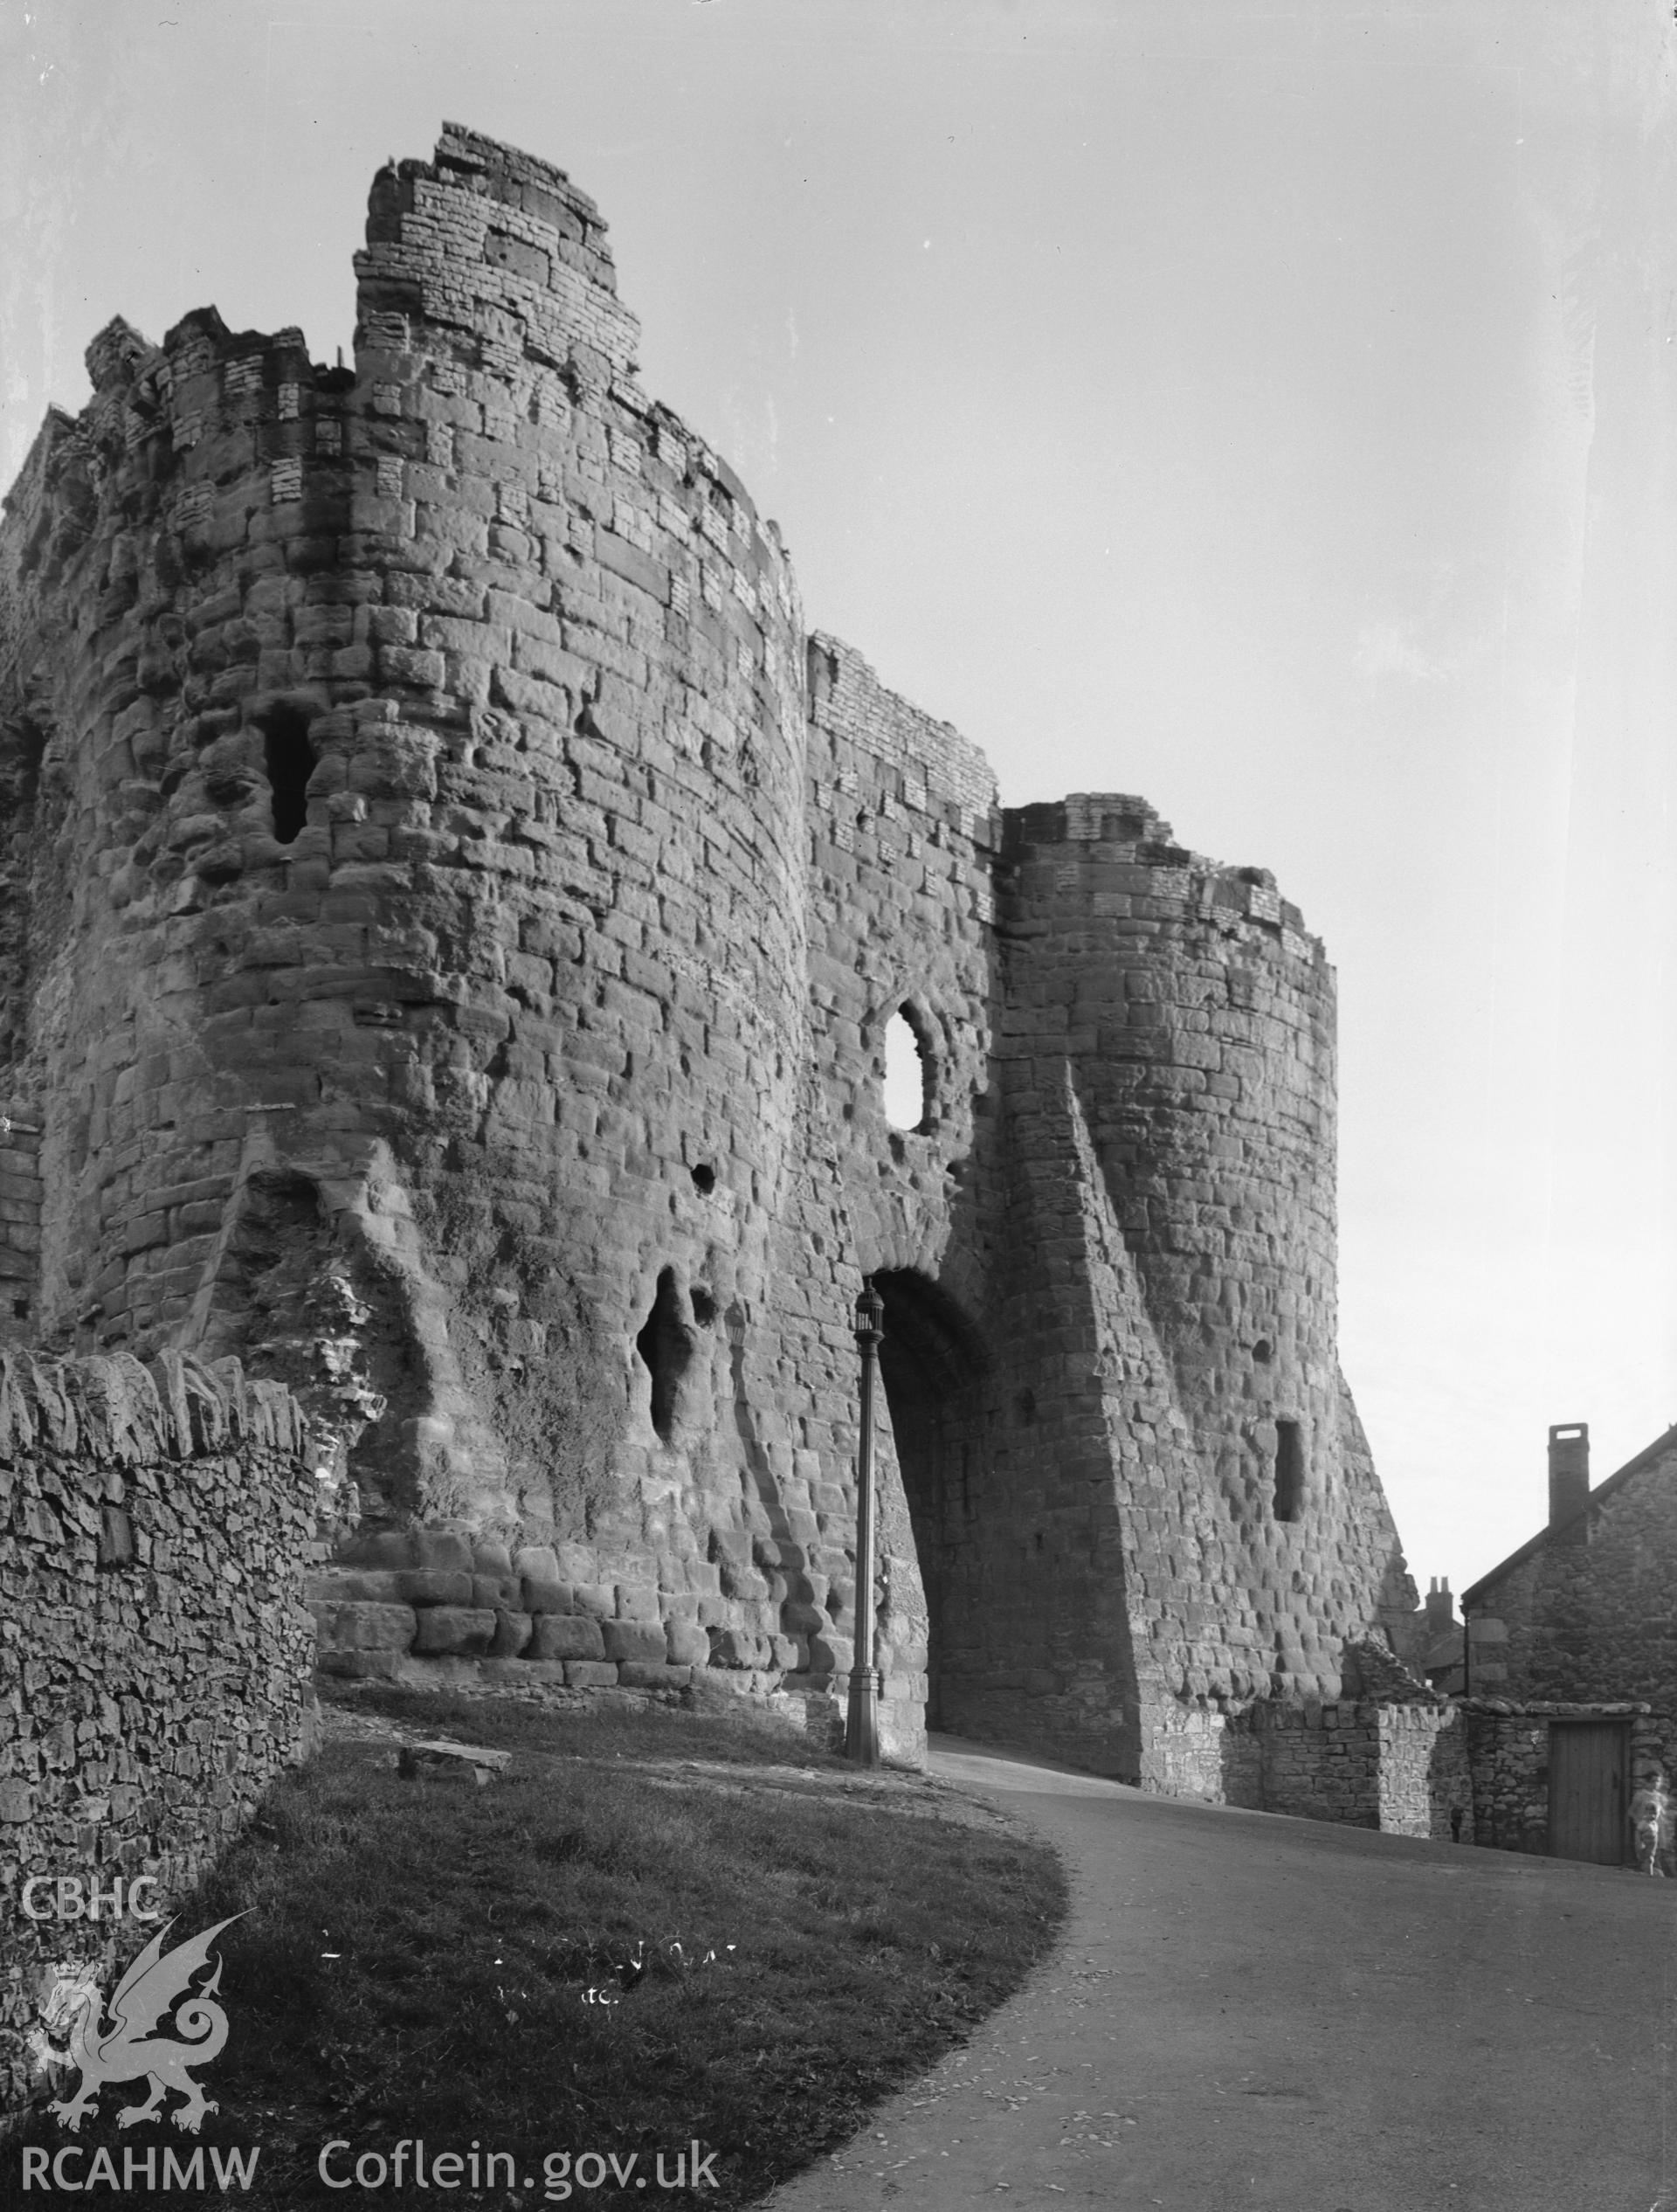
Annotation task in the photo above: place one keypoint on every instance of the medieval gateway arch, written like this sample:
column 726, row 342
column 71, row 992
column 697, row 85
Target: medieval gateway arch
column 453, row 910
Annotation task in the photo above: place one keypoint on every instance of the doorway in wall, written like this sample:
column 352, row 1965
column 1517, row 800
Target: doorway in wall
column 1589, row 1766
column 932, row 1363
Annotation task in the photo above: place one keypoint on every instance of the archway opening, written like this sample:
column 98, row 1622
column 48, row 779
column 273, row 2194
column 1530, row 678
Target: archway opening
column 932, row 1361
column 907, row 1072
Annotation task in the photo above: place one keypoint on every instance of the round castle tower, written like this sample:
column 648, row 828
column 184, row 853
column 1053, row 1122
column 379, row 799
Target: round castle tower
column 415, row 758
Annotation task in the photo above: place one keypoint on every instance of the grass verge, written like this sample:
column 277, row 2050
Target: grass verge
column 651, row 1931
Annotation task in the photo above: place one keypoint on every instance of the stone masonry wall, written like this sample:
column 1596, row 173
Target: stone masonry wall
column 1321, row 1761
column 1508, row 1747
column 155, row 1652
column 451, row 912
column 1588, row 1613
column 1426, row 1785
column 1403, row 1768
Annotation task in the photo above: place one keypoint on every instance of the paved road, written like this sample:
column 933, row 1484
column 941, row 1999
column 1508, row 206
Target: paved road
column 1255, row 2012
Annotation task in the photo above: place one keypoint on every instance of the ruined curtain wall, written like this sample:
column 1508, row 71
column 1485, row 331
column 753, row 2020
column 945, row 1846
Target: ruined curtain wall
column 155, row 1652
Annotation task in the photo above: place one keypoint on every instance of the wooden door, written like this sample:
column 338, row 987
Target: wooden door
column 1588, row 1762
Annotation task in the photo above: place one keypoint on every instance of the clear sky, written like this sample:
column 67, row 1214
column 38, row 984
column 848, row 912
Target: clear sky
column 1265, row 409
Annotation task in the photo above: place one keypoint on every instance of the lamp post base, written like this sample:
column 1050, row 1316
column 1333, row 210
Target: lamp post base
column 862, row 1717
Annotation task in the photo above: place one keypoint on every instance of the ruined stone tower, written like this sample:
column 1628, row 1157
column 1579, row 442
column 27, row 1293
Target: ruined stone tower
column 451, row 908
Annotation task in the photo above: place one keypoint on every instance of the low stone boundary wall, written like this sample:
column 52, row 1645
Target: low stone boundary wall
column 1456, row 1770
column 1402, row 1768
column 1426, row 1786
column 156, row 1656
column 1510, row 1746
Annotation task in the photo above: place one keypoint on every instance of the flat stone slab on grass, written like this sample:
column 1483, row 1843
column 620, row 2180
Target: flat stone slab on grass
column 483, row 1763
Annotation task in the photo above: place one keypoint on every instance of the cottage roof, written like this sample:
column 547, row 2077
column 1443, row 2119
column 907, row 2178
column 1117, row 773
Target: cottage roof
column 1649, row 1457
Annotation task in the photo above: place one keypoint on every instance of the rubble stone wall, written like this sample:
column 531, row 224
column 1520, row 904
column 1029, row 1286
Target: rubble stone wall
column 155, row 1654
column 1508, row 1750
column 1426, row 1785
column 1321, row 1762
column 1403, row 1768
column 1589, row 1612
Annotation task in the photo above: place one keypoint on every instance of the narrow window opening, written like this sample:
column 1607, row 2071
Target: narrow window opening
column 665, row 1347
column 1262, row 1351
column 704, row 1307
column 1289, row 1471
column 704, row 1178
column 32, row 751
column 290, row 761
column 116, row 1546
column 907, row 1072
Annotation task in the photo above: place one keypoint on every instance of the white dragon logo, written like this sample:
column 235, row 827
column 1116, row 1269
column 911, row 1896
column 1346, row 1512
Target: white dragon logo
column 126, row 2048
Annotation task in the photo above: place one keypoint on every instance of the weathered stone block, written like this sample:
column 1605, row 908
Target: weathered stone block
column 431, row 1585
column 388, row 1548
column 738, row 1647
column 590, row 1674
column 652, row 1674
column 333, row 1585
column 460, row 1630
column 560, row 1635
column 519, row 1674
column 357, row 1627
column 537, row 1562
column 688, row 1645
column 364, row 1666
column 546, row 1597
column 443, row 1550
column 635, row 1640
column 512, row 1634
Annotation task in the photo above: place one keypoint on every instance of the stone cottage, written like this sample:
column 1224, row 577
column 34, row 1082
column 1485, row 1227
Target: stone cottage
column 1572, row 1655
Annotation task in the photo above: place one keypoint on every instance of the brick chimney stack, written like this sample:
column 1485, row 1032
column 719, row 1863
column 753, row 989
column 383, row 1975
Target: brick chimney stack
column 1569, row 1471
column 1440, row 1607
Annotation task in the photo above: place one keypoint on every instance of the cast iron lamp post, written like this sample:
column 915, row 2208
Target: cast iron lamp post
column 862, row 1721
